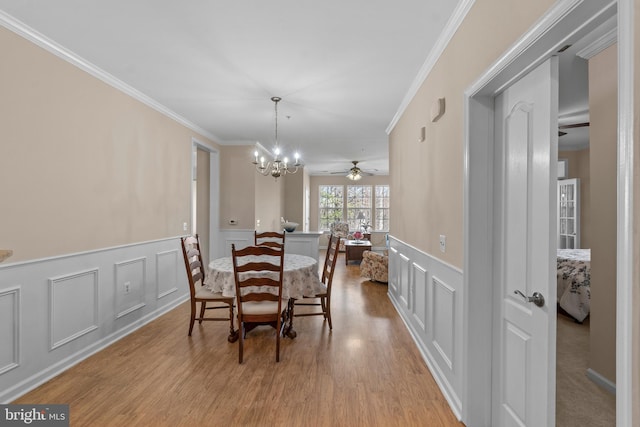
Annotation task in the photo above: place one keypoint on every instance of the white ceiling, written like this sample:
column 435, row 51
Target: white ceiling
column 342, row 68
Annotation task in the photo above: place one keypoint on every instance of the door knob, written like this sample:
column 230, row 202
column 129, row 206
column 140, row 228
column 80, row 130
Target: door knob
column 536, row 298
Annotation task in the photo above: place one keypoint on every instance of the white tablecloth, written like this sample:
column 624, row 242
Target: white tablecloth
column 300, row 277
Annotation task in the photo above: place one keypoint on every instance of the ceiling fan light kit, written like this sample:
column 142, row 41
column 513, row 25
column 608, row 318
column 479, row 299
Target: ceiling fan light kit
column 277, row 166
column 354, row 173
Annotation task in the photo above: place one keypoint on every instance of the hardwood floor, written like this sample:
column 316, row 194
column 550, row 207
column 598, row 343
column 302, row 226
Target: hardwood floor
column 366, row 372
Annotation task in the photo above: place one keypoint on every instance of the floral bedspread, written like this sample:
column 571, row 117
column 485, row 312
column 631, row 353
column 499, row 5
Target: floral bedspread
column 574, row 282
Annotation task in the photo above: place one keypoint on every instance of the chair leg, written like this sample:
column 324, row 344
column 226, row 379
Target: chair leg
column 278, row 342
column 327, row 313
column 240, row 341
column 203, row 306
column 233, row 334
column 193, row 316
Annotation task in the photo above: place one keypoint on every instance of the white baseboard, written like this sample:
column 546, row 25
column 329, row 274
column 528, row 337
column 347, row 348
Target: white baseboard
column 601, row 381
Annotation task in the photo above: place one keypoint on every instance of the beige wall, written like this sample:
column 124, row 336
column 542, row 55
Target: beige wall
column 269, row 198
column 579, row 168
column 237, row 188
column 427, row 177
column 294, row 187
column 82, row 165
column 603, row 112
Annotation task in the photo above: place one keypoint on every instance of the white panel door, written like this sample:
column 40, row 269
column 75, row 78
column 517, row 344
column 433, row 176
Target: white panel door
column 525, row 239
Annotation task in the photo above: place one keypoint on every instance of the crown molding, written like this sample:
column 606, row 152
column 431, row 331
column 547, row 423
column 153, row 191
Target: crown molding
column 26, row 32
column 445, row 37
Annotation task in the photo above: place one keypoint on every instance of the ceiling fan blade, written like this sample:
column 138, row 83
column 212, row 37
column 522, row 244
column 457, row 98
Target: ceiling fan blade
column 575, row 125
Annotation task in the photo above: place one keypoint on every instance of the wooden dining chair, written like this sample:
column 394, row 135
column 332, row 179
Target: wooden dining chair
column 199, row 294
column 269, row 238
column 258, row 273
column 327, row 278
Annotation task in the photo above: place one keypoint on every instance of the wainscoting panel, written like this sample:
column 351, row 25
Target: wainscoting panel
column 393, row 271
column 167, row 272
column 241, row 238
column 443, row 310
column 427, row 293
column 73, row 306
column 404, row 264
column 420, row 300
column 55, row 312
column 9, row 328
column 129, row 286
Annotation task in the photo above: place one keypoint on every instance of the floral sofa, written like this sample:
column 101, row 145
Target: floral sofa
column 375, row 266
column 341, row 229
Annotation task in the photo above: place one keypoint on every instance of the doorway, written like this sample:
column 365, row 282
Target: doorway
column 566, row 20
column 205, row 196
column 586, row 321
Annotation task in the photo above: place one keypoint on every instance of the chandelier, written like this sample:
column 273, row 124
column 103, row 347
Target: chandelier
column 277, row 166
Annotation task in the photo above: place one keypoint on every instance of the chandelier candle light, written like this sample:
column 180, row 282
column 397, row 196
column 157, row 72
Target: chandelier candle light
column 277, row 166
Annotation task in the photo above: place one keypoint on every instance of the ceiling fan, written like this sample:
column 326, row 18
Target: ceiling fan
column 355, row 173
column 575, row 125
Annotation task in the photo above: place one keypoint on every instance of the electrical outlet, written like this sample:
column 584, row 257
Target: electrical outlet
column 185, row 226
column 127, row 287
column 443, row 243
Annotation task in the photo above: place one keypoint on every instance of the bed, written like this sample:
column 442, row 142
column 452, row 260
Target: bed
column 574, row 280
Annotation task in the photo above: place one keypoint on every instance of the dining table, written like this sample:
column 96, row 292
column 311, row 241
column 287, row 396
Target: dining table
column 300, row 279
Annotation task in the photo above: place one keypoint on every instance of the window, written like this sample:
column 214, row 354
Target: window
column 358, row 206
column 338, row 203
column 331, row 205
column 381, row 222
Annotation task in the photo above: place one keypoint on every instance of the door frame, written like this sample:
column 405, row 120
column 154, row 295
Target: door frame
column 564, row 20
column 214, row 193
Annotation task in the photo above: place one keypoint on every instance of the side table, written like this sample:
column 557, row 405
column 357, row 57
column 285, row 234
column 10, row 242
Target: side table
column 353, row 250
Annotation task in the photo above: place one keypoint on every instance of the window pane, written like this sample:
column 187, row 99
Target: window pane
column 358, row 206
column 331, row 205
column 381, row 222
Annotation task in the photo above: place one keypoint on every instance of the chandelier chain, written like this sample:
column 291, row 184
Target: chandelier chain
column 277, row 166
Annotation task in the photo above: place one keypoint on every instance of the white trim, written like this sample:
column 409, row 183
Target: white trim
column 17, row 324
column 559, row 11
column 601, row 381
column 438, row 260
column 23, row 30
column 404, row 260
column 625, row 335
column 92, row 251
column 598, row 45
column 445, row 37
